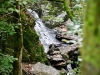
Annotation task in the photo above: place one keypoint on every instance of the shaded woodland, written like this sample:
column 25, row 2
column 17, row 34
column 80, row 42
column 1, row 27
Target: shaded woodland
column 73, row 23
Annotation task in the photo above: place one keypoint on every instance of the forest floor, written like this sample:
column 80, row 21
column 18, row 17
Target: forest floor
column 26, row 67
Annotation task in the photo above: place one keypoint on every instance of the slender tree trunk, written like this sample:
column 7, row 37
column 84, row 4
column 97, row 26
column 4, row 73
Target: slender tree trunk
column 67, row 9
column 91, row 44
column 18, row 46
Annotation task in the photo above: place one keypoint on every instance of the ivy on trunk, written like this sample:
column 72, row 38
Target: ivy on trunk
column 18, row 44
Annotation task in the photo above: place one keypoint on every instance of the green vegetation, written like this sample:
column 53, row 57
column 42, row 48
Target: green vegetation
column 20, row 43
column 91, row 44
column 6, row 64
column 17, row 35
column 33, row 47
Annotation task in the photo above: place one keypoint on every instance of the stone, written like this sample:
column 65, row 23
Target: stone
column 57, row 57
column 42, row 69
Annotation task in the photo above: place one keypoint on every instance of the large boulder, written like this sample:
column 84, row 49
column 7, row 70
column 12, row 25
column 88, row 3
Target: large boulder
column 41, row 69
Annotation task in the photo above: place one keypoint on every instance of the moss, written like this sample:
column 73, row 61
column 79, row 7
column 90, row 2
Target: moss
column 66, row 6
column 23, row 16
column 33, row 51
column 33, row 46
column 25, row 56
column 29, row 42
column 91, row 46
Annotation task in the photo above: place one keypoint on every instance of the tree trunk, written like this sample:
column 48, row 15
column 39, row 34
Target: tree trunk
column 91, row 44
column 18, row 45
column 67, row 9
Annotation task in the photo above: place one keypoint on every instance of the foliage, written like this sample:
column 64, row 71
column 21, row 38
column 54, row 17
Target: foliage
column 79, row 7
column 7, row 14
column 50, row 12
column 6, row 64
column 62, row 72
column 8, row 23
column 6, row 10
column 4, row 26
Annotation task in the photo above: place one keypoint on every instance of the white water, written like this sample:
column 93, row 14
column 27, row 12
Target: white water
column 46, row 35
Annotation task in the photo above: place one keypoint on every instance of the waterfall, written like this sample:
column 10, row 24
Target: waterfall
column 46, row 35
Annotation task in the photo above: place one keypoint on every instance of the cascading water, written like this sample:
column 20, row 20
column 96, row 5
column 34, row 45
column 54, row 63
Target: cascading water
column 46, row 35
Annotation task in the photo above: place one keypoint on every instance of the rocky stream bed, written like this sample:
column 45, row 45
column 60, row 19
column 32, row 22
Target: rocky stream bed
column 62, row 50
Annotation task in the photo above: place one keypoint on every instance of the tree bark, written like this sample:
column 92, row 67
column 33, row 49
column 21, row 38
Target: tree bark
column 18, row 37
column 91, row 44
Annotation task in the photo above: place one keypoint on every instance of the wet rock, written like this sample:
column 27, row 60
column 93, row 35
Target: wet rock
column 58, row 55
column 63, row 29
column 69, row 41
column 62, row 64
column 67, row 37
column 41, row 69
column 65, row 49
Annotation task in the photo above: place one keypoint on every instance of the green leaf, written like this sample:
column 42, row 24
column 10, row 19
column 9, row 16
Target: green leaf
column 24, row 2
column 77, row 6
column 19, row 24
column 64, row 40
column 20, row 3
column 16, row 27
column 10, row 9
column 17, row 10
column 11, row 33
column 6, row 64
column 35, row 0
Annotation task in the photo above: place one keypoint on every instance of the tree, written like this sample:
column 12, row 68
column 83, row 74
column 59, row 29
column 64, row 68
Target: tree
column 9, row 19
column 18, row 45
column 91, row 44
column 67, row 9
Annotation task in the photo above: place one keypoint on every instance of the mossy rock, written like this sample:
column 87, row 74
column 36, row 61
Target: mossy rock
column 25, row 56
column 33, row 46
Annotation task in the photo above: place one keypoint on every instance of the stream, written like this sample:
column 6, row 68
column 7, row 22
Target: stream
column 46, row 35
column 47, row 38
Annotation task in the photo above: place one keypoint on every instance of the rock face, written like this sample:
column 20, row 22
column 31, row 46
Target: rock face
column 41, row 69
column 60, row 54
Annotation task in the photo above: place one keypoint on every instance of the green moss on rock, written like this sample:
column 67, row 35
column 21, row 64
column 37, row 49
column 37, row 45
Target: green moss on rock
column 33, row 46
column 33, row 51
